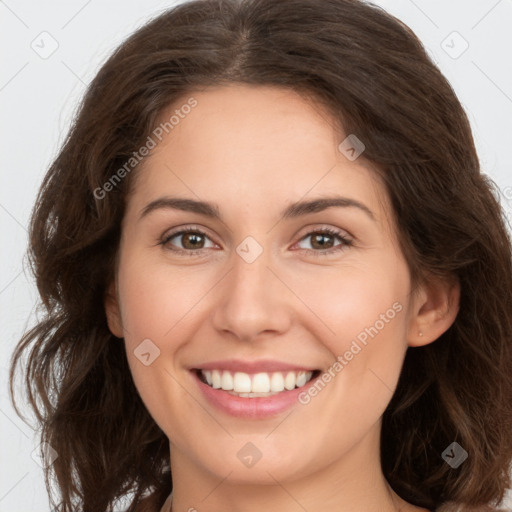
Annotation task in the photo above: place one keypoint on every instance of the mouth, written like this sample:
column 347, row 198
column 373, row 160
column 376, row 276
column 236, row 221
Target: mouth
column 255, row 385
column 253, row 389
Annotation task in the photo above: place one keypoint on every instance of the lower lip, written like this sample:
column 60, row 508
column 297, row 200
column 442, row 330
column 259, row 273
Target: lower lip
column 251, row 408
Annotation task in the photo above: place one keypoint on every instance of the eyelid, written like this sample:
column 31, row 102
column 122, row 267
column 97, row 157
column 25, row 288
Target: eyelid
column 324, row 227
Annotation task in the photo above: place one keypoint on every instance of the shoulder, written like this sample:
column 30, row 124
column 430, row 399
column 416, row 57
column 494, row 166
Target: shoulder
column 455, row 507
column 167, row 505
column 151, row 506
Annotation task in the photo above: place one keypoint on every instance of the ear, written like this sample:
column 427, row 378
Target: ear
column 435, row 307
column 113, row 311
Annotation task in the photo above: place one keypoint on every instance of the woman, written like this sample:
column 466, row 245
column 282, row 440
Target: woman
column 274, row 274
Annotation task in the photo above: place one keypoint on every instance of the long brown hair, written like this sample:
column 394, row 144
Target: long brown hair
column 374, row 75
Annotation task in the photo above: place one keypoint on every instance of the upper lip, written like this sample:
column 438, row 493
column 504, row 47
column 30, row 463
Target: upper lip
column 255, row 366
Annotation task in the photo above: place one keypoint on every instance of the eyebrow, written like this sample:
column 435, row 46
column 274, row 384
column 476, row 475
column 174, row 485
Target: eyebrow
column 294, row 210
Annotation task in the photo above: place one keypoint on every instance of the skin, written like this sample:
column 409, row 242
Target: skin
column 253, row 150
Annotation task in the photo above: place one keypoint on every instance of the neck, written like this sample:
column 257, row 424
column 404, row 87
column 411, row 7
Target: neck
column 353, row 482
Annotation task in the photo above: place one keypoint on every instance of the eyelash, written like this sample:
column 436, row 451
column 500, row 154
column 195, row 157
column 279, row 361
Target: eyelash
column 330, row 231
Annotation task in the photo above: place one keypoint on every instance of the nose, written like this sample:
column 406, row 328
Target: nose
column 253, row 302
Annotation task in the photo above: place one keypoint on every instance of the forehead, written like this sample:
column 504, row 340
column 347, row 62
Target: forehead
column 261, row 145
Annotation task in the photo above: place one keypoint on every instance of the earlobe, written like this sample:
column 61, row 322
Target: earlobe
column 112, row 311
column 436, row 306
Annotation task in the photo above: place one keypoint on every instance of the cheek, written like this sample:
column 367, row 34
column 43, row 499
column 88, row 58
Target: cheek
column 360, row 316
column 163, row 306
column 366, row 315
column 154, row 307
column 356, row 303
column 157, row 297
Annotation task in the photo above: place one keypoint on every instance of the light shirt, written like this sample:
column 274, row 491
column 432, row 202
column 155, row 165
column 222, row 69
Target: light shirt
column 167, row 505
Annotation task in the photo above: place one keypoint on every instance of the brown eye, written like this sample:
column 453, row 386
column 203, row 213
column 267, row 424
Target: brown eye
column 323, row 241
column 192, row 240
column 186, row 240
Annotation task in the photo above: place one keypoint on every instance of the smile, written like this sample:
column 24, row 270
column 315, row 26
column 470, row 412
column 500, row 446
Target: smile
column 254, row 385
column 252, row 394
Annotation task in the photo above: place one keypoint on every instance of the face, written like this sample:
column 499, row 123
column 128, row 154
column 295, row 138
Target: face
column 302, row 314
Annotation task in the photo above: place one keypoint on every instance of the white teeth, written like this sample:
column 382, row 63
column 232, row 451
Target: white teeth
column 301, row 379
column 258, row 384
column 289, row 381
column 227, row 381
column 277, row 382
column 216, row 379
column 242, row 383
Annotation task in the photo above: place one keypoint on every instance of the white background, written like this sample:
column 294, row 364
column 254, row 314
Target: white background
column 38, row 96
